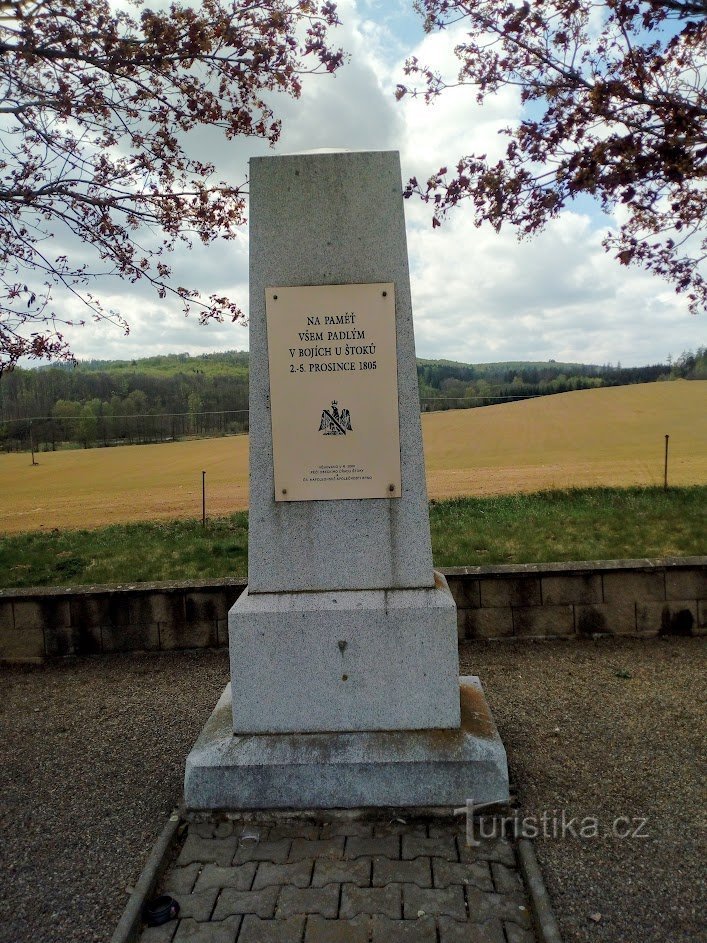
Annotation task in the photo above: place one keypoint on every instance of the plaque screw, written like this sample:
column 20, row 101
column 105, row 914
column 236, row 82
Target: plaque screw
column 391, row 487
column 284, row 490
column 385, row 294
column 275, row 297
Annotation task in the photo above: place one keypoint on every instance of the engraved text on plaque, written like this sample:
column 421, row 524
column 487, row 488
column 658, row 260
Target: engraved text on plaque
column 333, row 392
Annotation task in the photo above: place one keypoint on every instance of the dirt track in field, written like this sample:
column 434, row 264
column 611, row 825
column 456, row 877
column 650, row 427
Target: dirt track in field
column 612, row 436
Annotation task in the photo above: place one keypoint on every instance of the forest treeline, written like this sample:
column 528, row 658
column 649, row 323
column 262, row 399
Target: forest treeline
column 157, row 399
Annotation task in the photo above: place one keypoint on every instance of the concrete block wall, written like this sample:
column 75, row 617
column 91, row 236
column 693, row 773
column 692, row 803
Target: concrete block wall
column 640, row 598
column 90, row 620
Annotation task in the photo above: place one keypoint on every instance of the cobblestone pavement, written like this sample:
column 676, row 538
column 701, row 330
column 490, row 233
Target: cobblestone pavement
column 352, row 881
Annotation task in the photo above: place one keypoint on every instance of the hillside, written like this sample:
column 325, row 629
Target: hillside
column 609, row 436
column 100, row 403
column 612, row 436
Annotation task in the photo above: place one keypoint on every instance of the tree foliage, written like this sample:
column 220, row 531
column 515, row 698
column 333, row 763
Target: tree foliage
column 100, row 105
column 615, row 108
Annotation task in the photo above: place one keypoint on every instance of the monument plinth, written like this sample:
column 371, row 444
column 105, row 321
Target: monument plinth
column 343, row 648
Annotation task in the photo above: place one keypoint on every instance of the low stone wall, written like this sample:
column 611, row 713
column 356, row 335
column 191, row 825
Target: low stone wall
column 90, row 620
column 641, row 598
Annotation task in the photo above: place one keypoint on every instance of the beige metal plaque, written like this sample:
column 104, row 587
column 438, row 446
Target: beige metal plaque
column 334, row 392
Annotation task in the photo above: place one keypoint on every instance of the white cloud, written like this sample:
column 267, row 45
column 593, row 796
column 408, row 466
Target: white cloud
column 154, row 330
column 480, row 296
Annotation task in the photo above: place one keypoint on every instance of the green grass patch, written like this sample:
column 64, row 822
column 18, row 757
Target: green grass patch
column 127, row 553
column 582, row 524
column 575, row 524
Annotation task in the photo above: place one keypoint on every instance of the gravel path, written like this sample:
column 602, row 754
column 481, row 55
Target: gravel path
column 603, row 730
column 93, row 759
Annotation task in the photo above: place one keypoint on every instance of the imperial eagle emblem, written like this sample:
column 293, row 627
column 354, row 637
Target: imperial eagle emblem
column 334, row 422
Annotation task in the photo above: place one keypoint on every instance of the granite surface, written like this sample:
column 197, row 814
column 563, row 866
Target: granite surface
column 327, row 219
column 351, row 660
column 349, row 770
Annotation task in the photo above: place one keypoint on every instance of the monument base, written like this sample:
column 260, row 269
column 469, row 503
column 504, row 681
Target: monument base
column 226, row 771
column 344, row 660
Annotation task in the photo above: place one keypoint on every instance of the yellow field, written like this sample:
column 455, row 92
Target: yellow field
column 611, row 436
column 591, row 437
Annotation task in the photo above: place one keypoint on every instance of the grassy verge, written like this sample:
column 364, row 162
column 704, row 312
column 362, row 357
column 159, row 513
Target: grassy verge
column 126, row 553
column 577, row 524
column 587, row 524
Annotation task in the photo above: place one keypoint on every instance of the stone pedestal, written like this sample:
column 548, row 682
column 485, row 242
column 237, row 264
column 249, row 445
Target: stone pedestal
column 349, row 770
column 344, row 665
column 352, row 660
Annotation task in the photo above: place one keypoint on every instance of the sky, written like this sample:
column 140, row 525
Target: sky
column 478, row 296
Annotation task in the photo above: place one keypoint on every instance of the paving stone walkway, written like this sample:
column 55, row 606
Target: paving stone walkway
column 343, row 882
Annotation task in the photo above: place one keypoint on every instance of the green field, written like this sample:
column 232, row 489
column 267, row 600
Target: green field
column 587, row 524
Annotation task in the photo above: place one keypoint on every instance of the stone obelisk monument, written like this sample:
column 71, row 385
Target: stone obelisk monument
column 344, row 668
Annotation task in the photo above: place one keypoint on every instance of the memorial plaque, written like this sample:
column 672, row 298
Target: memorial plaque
column 333, row 392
